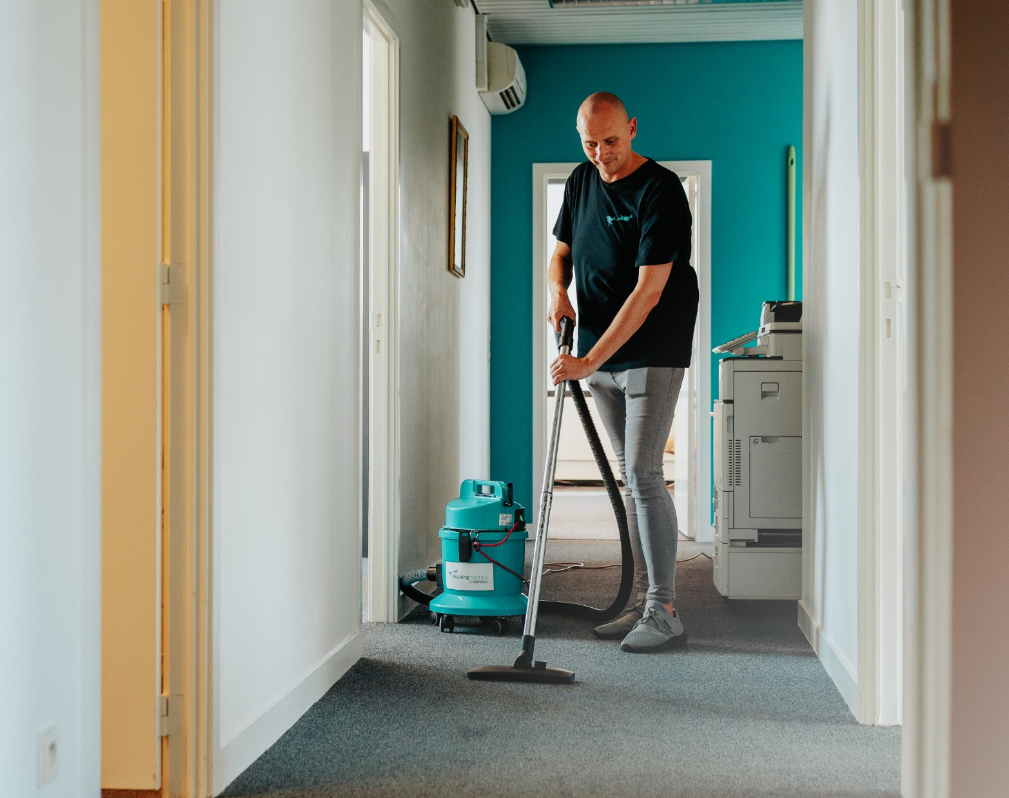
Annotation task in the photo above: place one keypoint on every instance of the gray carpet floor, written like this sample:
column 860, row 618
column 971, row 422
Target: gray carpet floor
column 745, row 709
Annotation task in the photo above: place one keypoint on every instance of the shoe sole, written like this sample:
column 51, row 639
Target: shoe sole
column 672, row 642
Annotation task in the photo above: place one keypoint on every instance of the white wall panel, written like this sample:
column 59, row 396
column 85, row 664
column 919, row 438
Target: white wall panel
column 286, row 464
column 829, row 607
column 444, row 320
column 50, row 398
column 286, row 459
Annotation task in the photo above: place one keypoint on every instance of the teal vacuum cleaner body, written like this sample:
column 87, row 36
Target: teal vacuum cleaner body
column 483, row 547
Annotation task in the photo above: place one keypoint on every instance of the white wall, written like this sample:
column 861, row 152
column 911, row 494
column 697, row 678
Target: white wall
column 444, row 321
column 50, row 398
column 286, row 474
column 828, row 611
column 286, row 457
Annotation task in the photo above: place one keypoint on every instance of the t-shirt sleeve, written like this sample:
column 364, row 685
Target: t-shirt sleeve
column 562, row 227
column 665, row 227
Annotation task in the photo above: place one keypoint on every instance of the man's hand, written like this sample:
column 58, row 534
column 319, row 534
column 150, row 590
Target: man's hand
column 568, row 367
column 560, row 306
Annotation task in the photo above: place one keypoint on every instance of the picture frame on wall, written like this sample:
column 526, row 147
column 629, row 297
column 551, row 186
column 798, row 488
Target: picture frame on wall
column 458, row 174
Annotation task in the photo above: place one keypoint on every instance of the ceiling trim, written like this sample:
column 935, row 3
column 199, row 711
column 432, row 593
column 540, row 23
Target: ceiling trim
column 533, row 22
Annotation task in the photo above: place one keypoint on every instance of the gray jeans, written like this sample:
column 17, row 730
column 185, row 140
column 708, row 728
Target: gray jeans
column 636, row 407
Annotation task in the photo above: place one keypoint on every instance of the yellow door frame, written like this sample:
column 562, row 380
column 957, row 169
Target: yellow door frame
column 188, row 299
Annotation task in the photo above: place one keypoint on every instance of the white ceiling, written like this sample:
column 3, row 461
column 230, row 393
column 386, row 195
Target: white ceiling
column 605, row 22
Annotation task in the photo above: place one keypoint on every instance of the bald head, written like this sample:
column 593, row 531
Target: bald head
column 601, row 103
column 606, row 134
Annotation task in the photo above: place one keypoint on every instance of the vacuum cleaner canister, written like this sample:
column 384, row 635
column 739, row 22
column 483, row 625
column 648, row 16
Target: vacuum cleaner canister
column 483, row 553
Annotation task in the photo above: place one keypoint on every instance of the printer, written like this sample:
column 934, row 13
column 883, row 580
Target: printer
column 758, row 459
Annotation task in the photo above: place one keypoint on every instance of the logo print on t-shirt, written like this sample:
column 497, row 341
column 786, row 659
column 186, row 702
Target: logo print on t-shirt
column 612, row 219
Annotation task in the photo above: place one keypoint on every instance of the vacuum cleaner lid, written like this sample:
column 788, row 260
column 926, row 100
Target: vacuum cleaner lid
column 483, row 505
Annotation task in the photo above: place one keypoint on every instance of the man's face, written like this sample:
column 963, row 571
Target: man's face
column 606, row 138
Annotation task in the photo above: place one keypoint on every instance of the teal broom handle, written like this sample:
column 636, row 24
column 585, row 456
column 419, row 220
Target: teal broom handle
column 790, row 224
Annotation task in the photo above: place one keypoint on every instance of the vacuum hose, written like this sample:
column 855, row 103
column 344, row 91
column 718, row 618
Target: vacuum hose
column 619, row 510
column 408, row 580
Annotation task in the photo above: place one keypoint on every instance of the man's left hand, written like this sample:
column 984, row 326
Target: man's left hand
column 567, row 367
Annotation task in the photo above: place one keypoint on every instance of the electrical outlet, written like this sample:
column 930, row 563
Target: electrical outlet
column 49, row 750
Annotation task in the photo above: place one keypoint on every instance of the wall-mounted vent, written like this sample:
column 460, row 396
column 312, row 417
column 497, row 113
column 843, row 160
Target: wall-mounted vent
column 735, row 462
column 511, row 99
column 506, row 79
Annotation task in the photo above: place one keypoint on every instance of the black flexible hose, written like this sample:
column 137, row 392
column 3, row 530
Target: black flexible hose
column 619, row 510
column 406, row 584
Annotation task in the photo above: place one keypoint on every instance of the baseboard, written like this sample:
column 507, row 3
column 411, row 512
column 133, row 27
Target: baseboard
column 837, row 667
column 249, row 742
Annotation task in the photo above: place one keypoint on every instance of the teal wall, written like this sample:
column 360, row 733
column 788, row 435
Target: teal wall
column 737, row 104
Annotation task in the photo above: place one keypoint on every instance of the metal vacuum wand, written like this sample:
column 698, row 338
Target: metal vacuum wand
column 546, row 503
column 526, row 669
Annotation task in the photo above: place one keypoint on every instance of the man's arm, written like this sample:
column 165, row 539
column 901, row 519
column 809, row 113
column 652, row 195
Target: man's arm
column 558, row 279
column 632, row 314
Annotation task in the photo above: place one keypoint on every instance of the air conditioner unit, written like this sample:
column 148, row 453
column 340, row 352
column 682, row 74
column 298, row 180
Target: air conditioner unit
column 501, row 80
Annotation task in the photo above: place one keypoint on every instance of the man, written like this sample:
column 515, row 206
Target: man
column 624, row 233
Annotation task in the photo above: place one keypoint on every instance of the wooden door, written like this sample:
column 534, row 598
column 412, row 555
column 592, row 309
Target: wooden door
column 131, row 390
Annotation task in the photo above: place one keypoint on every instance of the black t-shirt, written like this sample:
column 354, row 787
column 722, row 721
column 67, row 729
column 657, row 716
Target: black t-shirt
column 613, row 228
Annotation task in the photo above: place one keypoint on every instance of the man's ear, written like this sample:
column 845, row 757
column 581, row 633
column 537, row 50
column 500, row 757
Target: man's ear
column 633, row 124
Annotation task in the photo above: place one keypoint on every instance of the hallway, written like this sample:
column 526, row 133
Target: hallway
column 745, row 710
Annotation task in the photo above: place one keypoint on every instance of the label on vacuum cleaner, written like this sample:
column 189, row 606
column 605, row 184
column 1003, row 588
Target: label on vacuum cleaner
column 504, row 519
column 468, row 575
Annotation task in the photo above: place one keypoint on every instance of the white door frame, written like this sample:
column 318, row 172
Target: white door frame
column 883, row 343
column 698, row 375
column 928, row 559
column 384, row 416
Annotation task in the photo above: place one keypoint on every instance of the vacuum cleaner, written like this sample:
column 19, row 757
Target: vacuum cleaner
column 487, row 584
column 483, row 554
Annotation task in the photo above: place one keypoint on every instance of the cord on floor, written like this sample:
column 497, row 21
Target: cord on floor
column 561, row 567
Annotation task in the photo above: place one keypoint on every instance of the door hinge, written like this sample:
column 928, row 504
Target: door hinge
column 169, row 722
column 170, row 285
column 942, row 150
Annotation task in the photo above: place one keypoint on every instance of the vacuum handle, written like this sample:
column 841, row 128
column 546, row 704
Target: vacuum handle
column 485, row 487
column 567, row 335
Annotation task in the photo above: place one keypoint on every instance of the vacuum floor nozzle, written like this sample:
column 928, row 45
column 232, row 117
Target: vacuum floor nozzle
column 538, row 674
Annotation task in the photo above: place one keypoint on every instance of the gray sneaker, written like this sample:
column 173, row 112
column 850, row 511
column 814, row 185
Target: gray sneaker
column 657, row 630
column 618, row 628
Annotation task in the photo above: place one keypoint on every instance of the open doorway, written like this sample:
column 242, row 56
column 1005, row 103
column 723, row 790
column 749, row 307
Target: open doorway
column 687, row 461
column 378, row 298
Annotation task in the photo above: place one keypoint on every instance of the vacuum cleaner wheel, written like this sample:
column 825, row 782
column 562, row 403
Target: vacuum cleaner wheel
column 500, row 626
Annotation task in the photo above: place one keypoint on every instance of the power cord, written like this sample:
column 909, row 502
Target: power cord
column 561, row 567
column 571, row 566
